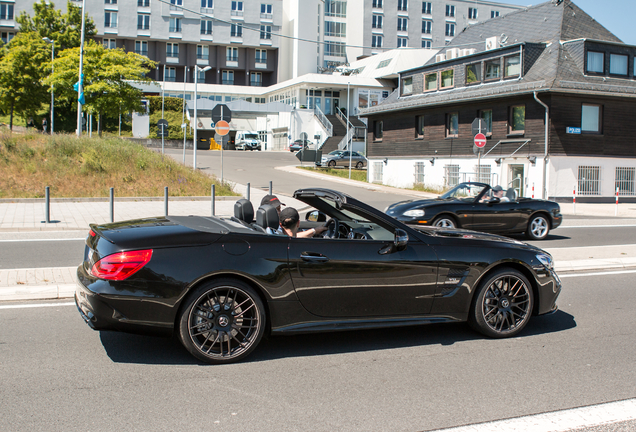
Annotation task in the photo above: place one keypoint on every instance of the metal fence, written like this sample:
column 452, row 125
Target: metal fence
column 419, row 172
column 589, row 180
column 377, row 172
column 624, row 180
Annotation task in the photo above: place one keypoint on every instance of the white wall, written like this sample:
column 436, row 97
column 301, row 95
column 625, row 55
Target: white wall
column 563, row 174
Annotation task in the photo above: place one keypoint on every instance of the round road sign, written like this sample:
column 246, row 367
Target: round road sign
column 222, row 127
column 480, row 140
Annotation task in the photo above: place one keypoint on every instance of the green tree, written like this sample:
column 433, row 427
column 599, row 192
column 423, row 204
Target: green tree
column 109, row 76
column 22, row 68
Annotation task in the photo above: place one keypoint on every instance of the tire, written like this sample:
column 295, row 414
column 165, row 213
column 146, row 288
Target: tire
column 331, row 164
column 538, row 228
column 223, row 321
column 502, row 305
column 445, row 222
column 359, row 165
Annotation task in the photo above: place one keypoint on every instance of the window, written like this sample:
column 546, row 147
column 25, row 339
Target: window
column 336, row 8
column 6, row 37
column 256, row 79
column 517, row 119
column 494, row 14
column 483, row 173
column 110, row 19
column 426, row 8
column 430, row 82
column 450, row 10
column 335, row 29
column 236, row 30
column 176, row 2
column 618, row 64
column 402, row 42
column 266, row 11
column 419, row 172
column 377, row 4
column 237, row 8
column 203, row 52
column 170, row 74
column 208, row 4
column 141, row 48
column 589, row 180
column 402, row 24
column 493, row 69
column 487, row 116
column 419, row 126
column 472, row 13
column 403, row 5
column 376, row 41
column 452, row 125
column 172, row 50
column 231, row 54
column 591, row 118
column 473, row 73
column 175, row 25
column 447, row 79
column 450, row 29
column 377, row 172
column 143, row 22
column 426, row 26
column 228, row 77
column 451, row 175
column 110, row 43
column 110, row 1
column 206, row 27
column 143, row 3
column 407, row 85
column 624, row 180
column 266, row 32
column 378, row 130
column 595, row 62
column 377, row 21
column 261, row 56
column 336, row 49
column 426, row 43
column 512, row 66
column 200, row 76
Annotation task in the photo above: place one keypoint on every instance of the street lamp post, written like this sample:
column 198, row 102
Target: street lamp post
column 197, row 69
column 80, row 86
column 348, row 140
column 52, row 42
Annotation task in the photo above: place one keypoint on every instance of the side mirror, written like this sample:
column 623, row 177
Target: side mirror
column 401, row 239
column 316, row 216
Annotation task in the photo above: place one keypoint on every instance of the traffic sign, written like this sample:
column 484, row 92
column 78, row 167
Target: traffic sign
column 162, row 128
column 222, row 127
column 480, row 140
column 479, row 126
column 221, row 112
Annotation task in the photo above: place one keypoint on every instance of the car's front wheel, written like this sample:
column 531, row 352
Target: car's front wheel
column 359, row 165
column 332, row 163
column 445, row 222
column 222, row 322
column 502, row 305
column 538, row 228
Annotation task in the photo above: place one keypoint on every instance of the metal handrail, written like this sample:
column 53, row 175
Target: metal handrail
column 324, row 121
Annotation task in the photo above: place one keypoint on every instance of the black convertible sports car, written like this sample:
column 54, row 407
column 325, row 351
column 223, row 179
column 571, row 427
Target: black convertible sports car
column 476, row 206
column 221, row 283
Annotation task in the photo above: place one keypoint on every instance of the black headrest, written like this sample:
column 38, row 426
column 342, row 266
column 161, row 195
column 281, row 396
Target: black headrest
column 267, row 217
column 244, row 210
column 511, row 194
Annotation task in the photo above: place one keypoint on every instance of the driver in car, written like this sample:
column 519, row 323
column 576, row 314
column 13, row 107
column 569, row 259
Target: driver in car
column 498, row 192
column 290, row 223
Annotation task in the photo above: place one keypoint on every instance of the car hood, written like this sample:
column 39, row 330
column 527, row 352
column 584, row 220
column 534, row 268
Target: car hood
column 472, row 235
column 400, row 207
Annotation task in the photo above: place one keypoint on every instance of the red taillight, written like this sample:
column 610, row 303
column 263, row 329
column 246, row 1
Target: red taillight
column 121, row 265
column 92, row 233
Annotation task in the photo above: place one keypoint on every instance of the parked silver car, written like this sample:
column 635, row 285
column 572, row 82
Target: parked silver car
column 342, row 159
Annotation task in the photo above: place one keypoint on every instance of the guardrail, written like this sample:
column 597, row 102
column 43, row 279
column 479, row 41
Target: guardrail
column 324, row 121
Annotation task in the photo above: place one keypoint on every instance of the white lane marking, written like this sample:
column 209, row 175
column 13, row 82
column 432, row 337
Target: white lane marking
column 559, row 421
column 39, row 240
column 41, row 305
column 597, row 226
column 597, row 274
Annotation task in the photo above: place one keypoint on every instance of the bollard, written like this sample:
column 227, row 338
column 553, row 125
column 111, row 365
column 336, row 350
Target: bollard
column 574, row 199
column 47, row 205
column 248, row 192
column 616, row 208
column 165, row 198
column 213, row 198
column 270, row 188
column 532, row 190
column 112, row 205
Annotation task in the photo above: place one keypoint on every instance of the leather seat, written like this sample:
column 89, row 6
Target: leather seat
column 244, row 211
column 511, row 194
column 267, row 217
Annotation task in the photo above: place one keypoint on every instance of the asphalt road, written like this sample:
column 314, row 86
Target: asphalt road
column 59, row 375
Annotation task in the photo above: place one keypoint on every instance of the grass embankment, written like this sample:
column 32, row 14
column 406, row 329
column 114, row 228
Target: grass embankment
column 88, row 167
column 360, row 175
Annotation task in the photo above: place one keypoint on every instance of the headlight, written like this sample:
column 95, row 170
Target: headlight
column 546, row 260
column 414, row 213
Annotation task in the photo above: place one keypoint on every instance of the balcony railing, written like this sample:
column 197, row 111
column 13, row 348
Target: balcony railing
column 256, row 83
column 233, row 58
column 203, row 57
column 228, row 82
column 142, row 52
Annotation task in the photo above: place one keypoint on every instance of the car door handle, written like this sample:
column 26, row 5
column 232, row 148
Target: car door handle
column 313, row 257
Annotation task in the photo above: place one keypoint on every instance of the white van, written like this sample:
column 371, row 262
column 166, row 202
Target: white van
column 247, row 140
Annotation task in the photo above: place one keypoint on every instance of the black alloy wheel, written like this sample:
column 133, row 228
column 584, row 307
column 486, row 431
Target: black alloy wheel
column 502, row 305
column 332, row 163
column 445, row 222
column 359, row 165
column 538, row 228
column 222, row 322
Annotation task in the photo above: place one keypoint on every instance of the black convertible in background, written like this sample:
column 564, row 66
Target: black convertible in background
column 474, row 206
column 221, row 283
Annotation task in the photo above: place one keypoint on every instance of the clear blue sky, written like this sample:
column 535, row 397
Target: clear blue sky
column 615, row 15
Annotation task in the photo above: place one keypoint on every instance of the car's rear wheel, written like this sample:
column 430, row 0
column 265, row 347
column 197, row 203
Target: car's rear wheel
column 503, row 304
column 332, row 163
column 359, row 165
column 445, row 222
column 538, row 228
column 223, row 321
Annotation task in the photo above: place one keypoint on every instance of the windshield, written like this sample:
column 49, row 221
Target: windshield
column 465, row 191
column 335, row 152
column 251, row 136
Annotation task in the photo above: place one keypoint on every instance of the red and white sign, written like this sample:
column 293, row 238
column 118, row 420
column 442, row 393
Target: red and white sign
column 222, row 127
column 480, row 140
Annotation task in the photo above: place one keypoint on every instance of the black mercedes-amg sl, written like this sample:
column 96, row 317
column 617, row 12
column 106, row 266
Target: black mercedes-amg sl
column 221, row 283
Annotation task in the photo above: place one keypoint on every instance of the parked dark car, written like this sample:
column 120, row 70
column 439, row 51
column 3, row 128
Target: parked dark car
column 220, row 283
column 473, row 206
column 299, row 145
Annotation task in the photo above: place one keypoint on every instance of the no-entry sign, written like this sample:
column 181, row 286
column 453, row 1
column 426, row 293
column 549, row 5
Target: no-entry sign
column 480, row 140
column 222, row 127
